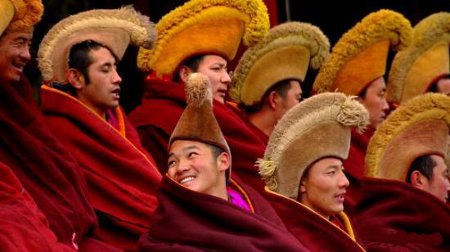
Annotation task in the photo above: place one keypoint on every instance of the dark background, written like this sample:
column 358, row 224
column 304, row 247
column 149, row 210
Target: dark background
column 333, row 17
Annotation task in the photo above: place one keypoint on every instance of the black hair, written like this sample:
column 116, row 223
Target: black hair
column 192, row 63
column 79, row 56
column 424, row 164
column 216, row 151
column 281, row 88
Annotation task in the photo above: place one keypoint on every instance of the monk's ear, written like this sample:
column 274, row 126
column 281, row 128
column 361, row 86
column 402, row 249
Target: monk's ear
column 417, row 179
column 273, row 100
column 75, row 78
column 223, row 161
column 184, row 73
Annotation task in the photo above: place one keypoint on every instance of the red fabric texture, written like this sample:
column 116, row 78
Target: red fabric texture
column 121, row 176
column 354, row 165
column 394, row 216
column 47, row 171
column 204, row 222
column 162, row 106
column 22, row 226
column 311, row 229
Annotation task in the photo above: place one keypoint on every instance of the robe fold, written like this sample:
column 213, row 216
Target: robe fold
column 22, row 226
column 394, row 216
column 190, row 221
column 122, row 178
column 313, row 230
column 162, row 106
column 47, row 171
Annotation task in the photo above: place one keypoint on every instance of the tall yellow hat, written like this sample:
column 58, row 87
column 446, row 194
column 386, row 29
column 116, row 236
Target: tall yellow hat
column 316, row 128
column 285, row 53
column 204, row 27
column 360, row 55
column 418, row 127
column 414, row 69
column 115, row 28
column 17, row 15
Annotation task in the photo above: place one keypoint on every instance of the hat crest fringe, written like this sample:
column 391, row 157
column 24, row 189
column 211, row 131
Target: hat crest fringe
column 267, row 169
column 419, row 108
column 353, row 114
column 198, row 90
column 284, row 35
column 139, row 27
column 383, row 24
column 305, row 116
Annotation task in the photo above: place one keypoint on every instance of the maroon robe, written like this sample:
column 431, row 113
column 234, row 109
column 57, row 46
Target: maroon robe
column 47, row 171
column 311, row 229
column 22, row 225
column 355, row 166
column 121, row 176
column 394, row 216
column 162, row 106
column 355, row 163
column 190, row 221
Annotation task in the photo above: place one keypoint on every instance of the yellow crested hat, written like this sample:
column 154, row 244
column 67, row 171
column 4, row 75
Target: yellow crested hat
column 360, row 55
column 204, row 27
column 17, row 15
column 418, row 127
column 285, row 53
column 316, row 128
column 115, row 28
column 198, row 123
column 414, row 69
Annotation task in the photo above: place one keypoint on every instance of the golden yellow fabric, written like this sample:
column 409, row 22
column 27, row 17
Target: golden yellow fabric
column 204, row 27
column 7, row 13
column 355, row 59
column 427, row 58
column 27, row 14
column 287, row 52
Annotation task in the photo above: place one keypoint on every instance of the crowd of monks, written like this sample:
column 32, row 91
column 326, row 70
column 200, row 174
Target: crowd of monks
column 220, row 160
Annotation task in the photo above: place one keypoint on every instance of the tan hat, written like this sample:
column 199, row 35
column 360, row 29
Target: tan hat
column 418, row 127
column 285, row 53
column 17, row 15
column 316, row 128
column 114, row 28
column 360, row 55
column 204, row 27
column 198, row 123
column 414, row 69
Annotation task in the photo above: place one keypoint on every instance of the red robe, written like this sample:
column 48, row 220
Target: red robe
column 204, row 222
column 162, row 106
column 394, row 216
column 22, row 225
column 311, row 229
column 355, row 166
column 355, row 163
column 47, row 171
column 121, row 176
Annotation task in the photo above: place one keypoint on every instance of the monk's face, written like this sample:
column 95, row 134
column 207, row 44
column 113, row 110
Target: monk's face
column 215, row 67
column 375, row 102
column 290, row 99
column 102, row 92
column 439, row 184
column 14, row 55
column 323, row 187
column 195, row 166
